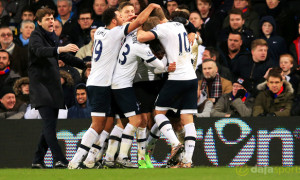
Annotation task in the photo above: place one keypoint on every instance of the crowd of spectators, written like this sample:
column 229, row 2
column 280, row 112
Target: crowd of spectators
column 246, row 55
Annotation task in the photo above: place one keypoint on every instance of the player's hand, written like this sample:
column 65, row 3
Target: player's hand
column 131, row 18
column 172, row 67
column 68, row 48
column 155, row 6
column 191, row 38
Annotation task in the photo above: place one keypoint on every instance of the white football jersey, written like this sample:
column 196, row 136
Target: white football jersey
column 173, row 37
column 107, row 45
column 145, row 73
column 130, row 54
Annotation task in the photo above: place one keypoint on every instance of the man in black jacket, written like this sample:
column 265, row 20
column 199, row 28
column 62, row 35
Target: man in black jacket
column 253, row 67
column 46, row 93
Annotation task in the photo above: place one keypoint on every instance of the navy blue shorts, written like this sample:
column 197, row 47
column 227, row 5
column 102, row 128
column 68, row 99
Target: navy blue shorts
column 178, row 95
column 100, row 100
column 146, row 93
column 126, row 101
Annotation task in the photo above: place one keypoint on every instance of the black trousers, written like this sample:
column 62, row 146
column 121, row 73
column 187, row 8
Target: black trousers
column 48, row 137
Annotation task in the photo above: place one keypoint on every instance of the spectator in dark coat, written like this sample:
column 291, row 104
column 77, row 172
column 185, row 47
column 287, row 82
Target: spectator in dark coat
column 253, row 67
column 26, row 29
column 211, row 23
column 81, row 109
column 236, row 23
column 78, row 31
column 284, row 19
column 46, row 93
column 72, row 71
column 231, row 50
column 99, row 6
column 276, row 44
column 250, row 16
column 21, row 89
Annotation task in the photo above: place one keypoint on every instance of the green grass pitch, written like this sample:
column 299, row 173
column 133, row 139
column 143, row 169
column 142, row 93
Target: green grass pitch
column 207, row 173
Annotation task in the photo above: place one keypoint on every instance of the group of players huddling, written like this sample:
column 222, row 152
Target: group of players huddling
column 125, row 84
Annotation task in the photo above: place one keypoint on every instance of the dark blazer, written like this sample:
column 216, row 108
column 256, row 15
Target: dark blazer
column 43, row 71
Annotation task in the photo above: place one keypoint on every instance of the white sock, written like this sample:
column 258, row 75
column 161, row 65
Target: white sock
column 96, row 148
column 141, row 142
column 127, row 138
column 113, row 143
column 103, row 144
column 153, row 137
column 190, row 140
column 165, row 127
column 89, row 137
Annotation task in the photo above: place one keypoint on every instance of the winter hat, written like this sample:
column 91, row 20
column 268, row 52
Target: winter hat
column 245, row 83
column 5, row 90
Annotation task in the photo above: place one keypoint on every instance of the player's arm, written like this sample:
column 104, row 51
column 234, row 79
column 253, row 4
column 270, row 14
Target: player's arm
column 142, row 17
column 144, row 36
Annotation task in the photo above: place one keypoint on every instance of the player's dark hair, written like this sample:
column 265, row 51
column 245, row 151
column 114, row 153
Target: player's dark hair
column 43, row 12
column 108, row 15
column 179, row 14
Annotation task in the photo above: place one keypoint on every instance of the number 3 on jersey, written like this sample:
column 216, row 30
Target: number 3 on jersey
column 124, row 53
column 97, row 50
column 185, row 42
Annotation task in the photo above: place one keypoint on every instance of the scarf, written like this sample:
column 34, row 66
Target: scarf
column 50, row 36
column 279, row 92
column 24, row 41
column 216, row 90
column 6, row 71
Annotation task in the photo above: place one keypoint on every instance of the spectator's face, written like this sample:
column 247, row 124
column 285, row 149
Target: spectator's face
column 85, row 20
column 196, row 20
column 267, row 28
column 25, row 88
column 112, row 3
column 285, row 63
column 235, row 21
column 203, row 7
column 274, row 84
column 259, row 53
column 47, row 23
column 62, row 81
column 57, row 28
column 8, row 101
column 137, row 6
column 234, row 42
column 27, row 15
column 209, row 70
column 235, row 88
column 99, row 6
column 4, row 60
column 206, row 55
column 92, row 33
column 27, row 30
column 272, row 3
column 81, row 96
column 87, row 72
column 299, row 28
column 63, row 8
column 6, row 36
column 240, row 4
column 127, row 12
column 171, row 6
